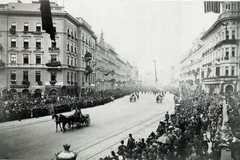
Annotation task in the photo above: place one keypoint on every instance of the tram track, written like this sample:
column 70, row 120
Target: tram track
column 113, row 140
column 101, row 144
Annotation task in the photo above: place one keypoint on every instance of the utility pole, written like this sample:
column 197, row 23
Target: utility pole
column 155, row 71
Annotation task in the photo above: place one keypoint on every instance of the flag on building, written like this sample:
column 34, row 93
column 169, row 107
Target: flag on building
column 212, row 6
column 46, row 14
column 208, row 72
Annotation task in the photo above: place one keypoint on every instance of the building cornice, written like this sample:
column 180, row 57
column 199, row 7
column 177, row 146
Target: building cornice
column 38, row 14
column 218, row 23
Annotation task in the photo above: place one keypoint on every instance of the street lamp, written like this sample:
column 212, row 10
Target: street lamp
column 155, row 71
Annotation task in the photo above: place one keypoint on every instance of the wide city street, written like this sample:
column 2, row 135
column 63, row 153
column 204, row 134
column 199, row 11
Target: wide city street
column 110, row 123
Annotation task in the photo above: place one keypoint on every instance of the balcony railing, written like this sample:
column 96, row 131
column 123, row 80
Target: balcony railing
column 13, row 81
column 33, row 32
column 220, row 77
column 26, row 82
column 52, row 63
column 39, row 83
column 12, row 31
column 53, row 48
column 53, row 82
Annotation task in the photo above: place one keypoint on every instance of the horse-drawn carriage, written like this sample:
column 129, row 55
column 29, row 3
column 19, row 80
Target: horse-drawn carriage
column 133, row 98
column 159, row 99
column 77, row 119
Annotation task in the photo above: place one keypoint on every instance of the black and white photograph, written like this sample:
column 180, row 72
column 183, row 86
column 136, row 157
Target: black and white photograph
column 119, row 80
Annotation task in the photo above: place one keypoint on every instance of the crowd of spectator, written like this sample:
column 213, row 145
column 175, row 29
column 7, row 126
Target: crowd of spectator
column 192, row 132
column 30, row 107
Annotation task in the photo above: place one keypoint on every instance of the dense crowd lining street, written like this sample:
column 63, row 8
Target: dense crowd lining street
column 104, row 123
column 18, row 108
column 198, row 130
column 194, row 127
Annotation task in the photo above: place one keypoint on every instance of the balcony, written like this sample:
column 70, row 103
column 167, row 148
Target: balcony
column 228, row 76
column 88, row 57
column 70, row 66
column 13, row 81
column 39, row 83
column 226, row 58
column 25, row 82
column 54, row 65
column 218, row 78
column 33, row 32
column 53, row 49
column 53, row 82
column 224, row 42
column 88, row 70
column 12, row 31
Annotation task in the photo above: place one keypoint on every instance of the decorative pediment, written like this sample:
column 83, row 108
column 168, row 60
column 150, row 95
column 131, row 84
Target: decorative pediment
column 13, row 50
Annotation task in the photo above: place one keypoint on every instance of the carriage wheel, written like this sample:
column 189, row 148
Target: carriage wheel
column 68, row 126
column 87, row 122
column 78, row 125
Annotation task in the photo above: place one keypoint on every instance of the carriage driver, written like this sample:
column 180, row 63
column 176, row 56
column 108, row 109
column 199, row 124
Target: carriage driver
column 78, row 112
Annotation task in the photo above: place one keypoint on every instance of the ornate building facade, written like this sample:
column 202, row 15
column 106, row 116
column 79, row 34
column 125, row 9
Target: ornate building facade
column 191, row 67
column 218, row 53
column 220, row 63
column 111, row 70
column 30, row 63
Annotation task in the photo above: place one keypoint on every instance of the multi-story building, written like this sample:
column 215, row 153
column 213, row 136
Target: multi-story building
column 191, row 65
column 220, row 64
column 87, row 58
column 111, row 70
column 36, row 65
column 217, row 54
column 31, row 63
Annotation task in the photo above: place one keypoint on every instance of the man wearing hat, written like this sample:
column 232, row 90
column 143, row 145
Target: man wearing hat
column 131, row 144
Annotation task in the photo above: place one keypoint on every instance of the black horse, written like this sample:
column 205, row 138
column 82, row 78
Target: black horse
column 70, row 121
column 60, row 119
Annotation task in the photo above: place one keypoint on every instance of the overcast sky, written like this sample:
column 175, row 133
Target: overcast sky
column 143, row 31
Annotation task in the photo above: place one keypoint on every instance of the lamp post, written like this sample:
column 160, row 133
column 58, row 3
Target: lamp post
column 155, row 71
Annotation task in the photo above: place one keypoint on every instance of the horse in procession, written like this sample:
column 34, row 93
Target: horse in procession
column 134, row 96
column 159, row 98
column 77, row 118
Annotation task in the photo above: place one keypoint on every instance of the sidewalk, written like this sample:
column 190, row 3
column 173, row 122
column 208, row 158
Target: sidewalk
column 30, row 121
column 25, row 122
